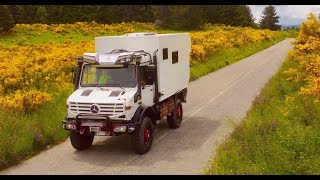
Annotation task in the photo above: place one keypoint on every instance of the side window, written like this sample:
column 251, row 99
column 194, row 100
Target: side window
column 165, row 53
column 143, row 75
column 175, row 57
column 146, row 76
column 90, row 75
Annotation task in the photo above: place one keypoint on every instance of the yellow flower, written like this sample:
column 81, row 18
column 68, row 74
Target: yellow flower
column 30, row 72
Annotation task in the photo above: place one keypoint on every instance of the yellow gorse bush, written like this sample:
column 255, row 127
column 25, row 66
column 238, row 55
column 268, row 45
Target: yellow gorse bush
column 31, row 74
column 307, row 52
column 24, row 100
column 86, row 28
column 217, row 38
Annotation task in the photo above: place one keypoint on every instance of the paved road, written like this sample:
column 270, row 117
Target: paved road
column 215, row 103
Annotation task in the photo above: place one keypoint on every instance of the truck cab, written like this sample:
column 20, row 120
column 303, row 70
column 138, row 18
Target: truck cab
column 117, row 91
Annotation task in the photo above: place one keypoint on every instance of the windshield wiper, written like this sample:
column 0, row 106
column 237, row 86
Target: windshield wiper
column 115, row 84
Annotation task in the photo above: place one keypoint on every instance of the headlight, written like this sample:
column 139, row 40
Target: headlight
column 127, row 59
column 119, row 129
column 124, row 59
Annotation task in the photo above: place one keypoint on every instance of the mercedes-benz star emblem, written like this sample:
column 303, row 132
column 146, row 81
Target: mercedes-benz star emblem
column 94, row 108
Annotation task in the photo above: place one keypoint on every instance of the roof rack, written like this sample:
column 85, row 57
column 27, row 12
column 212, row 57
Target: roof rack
column 140, row 34
column 118, row 51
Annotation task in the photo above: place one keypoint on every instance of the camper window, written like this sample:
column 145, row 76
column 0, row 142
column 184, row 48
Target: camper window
column 165, row 53
column 174, row 57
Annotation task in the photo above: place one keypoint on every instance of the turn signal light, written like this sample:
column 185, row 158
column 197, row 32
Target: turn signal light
column 128, row 107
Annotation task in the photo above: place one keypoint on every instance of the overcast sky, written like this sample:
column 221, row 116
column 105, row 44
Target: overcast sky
column 289, row 14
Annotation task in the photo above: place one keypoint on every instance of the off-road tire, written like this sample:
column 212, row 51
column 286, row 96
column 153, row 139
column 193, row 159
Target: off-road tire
column 81, row 141
column 175, row 118
column 142, row 137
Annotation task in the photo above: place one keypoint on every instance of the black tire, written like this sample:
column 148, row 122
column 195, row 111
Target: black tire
column 142, row 137
column 81, row 141
column 175, row 118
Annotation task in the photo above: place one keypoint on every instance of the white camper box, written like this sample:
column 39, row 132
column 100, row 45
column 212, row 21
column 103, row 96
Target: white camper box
column 172, row 76
column 95, row 109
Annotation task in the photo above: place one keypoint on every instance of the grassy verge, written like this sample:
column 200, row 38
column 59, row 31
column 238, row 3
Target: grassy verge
column 279, row 135
column 24, row 135
column 230, row 56
column 33, row 38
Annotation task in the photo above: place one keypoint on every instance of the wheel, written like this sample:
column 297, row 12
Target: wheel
column 142, row 137
column 80, row 141
column 175, row 118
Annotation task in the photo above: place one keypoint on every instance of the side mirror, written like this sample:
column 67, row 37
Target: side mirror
column 73, row 71
column 150, row 74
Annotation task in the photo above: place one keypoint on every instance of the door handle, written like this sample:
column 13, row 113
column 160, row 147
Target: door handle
column 151, row 89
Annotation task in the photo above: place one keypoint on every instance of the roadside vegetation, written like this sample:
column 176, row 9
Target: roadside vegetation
column 36, row 62
column 229, row 56
column 281, row 132
column 33, row 73
column 38, row 46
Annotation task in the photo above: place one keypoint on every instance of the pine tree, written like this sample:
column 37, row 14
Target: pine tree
column 26, row 14
column 6, row 19
column 269, row 19
column 109, row 14
column 185, row 17
column 162, row 14
column 139, row 13
column 14, row 11
column 244, row 17
column 234, row 15
column 194, row 17
column 41, row 15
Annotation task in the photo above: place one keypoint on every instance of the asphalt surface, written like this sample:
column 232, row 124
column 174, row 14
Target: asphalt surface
column 215, row 103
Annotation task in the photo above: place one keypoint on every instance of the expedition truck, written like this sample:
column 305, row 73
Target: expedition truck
column 126, row 86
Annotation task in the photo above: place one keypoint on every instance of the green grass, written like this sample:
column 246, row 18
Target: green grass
column 34, row 38
column 230, row 56
column 24, row 135
column 277, row 136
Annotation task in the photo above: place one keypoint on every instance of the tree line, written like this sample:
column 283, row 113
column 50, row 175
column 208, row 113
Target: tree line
column 288, row 28
column 187, row 17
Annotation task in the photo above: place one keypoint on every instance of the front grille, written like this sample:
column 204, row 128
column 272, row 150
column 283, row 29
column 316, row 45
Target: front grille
column 110, row 109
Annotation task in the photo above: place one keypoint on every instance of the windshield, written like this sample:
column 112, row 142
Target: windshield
column 109, row 76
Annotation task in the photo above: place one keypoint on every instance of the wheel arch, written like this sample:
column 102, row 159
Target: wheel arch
column 142, row 112
column 182, row 95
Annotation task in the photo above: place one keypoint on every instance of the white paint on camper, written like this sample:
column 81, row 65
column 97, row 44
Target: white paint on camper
column 172, row 77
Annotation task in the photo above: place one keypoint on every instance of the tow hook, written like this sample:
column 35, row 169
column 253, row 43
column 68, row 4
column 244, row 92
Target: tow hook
column 82, row 131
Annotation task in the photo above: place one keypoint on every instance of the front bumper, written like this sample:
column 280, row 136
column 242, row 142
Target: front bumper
column 101, row 125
